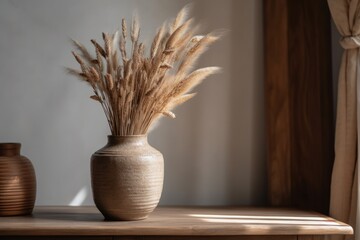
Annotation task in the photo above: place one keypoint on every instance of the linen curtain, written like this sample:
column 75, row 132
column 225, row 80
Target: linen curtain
column 344, row 201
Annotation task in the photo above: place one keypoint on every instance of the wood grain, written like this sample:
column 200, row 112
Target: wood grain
column 173, row 221
column 57, row 238
column 311, row 237
column 156, row 238
column 207, row 238
column 169, row 238
column 298, row 86
column 277, row 97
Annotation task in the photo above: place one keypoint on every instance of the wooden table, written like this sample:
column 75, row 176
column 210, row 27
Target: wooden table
column 173, row 223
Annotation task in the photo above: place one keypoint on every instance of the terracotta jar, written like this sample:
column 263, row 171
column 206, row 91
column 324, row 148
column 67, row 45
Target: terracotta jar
column 17, row 181
column 127, row 178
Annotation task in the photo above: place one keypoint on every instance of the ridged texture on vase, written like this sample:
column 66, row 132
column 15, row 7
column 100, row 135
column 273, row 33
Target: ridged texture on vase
column 127, row 178
column 17, row 181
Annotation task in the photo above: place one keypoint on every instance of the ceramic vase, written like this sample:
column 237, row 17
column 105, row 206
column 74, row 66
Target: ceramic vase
column 127, row 178
column 17, row 181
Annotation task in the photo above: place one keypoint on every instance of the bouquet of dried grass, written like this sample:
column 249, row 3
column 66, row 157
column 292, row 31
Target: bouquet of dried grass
column 137, row 90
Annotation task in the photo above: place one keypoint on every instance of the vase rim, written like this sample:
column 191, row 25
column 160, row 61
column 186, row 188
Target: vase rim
column 9, row 149
column 9, row 145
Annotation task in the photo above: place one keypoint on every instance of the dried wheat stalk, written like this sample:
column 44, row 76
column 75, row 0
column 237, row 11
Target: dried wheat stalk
column 137, row 91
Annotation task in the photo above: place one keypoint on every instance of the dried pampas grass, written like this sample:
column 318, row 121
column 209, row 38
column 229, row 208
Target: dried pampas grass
column 137, row 90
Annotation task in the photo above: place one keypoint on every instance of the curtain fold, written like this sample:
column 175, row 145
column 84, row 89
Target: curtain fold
column 344, row 200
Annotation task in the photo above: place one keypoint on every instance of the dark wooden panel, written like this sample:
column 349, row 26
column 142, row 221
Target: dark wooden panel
column 277, row 97
column 311, row 103
column 298, row 85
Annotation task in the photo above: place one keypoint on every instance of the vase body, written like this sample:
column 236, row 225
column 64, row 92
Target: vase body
column 17, row 181
column 127, row 178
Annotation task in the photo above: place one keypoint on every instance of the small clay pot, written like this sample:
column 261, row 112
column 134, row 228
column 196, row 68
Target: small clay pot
column 17, row 181
column 127, row 178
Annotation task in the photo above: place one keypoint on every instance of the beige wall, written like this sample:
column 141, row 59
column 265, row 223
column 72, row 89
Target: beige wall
column 214, row 151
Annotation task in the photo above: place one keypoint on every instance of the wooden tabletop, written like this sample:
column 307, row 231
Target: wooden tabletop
column 175, row 221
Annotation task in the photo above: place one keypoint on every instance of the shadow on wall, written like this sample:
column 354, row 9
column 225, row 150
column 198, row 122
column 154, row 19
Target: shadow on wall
column 247, row 148
column 215, row 150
